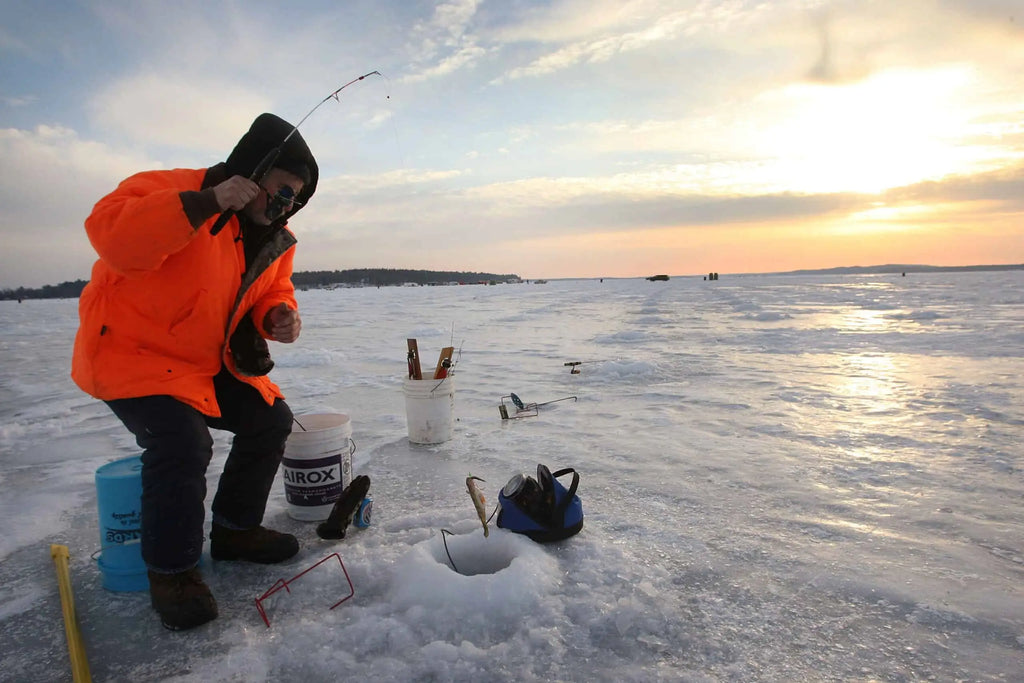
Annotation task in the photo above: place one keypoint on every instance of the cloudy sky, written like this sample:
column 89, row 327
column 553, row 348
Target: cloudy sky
column 564, row 138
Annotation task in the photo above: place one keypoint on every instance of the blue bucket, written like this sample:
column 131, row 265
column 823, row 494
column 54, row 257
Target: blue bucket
column 119, row 499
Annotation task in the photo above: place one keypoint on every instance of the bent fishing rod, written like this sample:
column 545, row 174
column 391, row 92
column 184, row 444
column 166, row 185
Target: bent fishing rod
column 261, row 170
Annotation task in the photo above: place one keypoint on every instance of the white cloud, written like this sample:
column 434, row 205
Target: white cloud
column 49, row 181
column 599, row 36
column 391, row 180
column 37, row 161
column 444, row 43
column 579, row 20
column 164, row 109
column 454, row 17
column 465, row 56
column 19, row 100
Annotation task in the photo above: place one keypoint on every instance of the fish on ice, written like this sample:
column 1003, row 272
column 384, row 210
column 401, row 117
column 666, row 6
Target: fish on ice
column 479, row 502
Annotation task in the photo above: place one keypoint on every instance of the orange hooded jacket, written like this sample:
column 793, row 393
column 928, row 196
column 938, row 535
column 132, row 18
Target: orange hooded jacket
column 166, row 296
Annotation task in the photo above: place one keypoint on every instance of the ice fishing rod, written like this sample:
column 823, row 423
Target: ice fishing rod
column 264, row 166
column 575, row 365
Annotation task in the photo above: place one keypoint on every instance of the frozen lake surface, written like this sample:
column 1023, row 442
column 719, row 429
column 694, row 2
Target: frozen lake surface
column 784, row 478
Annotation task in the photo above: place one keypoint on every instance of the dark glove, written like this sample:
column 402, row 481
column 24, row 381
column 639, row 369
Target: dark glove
column 249, row 350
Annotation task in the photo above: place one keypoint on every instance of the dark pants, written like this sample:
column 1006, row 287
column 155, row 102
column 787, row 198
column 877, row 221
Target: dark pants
column 177, row 450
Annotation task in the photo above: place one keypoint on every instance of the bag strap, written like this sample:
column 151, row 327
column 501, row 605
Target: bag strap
column 567, row 499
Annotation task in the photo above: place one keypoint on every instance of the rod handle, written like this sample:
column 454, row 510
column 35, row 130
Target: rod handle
column 222, row 221
column 256, row 177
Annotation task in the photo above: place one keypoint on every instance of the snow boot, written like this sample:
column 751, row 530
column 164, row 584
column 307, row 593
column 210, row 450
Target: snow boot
column 344, row 509
column 258, row 544
column 182, row 600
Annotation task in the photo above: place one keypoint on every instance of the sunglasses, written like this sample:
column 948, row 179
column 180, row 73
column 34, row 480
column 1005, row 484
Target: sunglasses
column 285, row 195
column 280, row 202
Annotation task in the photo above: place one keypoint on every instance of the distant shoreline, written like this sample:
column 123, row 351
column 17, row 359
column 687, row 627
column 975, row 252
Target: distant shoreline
column 895, row 268
column 887, row 269
column 316, row 279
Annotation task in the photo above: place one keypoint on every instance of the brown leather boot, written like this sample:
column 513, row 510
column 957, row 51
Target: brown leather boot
column 258, row 544
column 182, row 600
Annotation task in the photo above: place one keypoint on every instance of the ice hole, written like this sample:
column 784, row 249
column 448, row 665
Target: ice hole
column 474, row 554
column 504, row 574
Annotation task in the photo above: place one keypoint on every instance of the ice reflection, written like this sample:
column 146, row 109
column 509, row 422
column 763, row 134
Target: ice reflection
column 871, row 380
column 872, row 392
column 864, row 320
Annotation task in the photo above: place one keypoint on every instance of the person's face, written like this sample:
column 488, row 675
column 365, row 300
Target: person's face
column 277, row 187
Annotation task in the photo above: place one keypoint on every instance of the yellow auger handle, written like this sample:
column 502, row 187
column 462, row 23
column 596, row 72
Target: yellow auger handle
column 79, row 664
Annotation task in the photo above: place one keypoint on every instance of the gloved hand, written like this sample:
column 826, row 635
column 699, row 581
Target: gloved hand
column 283, row 323
column 235, row 192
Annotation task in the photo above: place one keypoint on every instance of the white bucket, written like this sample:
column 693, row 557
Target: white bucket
column 430, row 409
column 317, row 464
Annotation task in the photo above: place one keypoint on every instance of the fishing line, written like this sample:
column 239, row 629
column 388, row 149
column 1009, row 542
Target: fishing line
column 445, row 541
column 445, row 533
column 394, row 128
column 451, row 368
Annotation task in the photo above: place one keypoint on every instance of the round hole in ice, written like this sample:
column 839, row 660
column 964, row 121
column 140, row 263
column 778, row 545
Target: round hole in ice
column 473, row 554
column 504, row 574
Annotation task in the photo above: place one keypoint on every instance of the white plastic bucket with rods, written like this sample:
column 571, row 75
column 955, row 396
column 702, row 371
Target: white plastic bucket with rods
column 317, row 464
column 430, row 409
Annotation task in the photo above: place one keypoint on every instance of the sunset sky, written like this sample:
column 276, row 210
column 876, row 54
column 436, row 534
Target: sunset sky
column 568, row 138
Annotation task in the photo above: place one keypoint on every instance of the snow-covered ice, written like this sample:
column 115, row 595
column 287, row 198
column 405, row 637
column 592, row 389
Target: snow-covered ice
column 784, row 478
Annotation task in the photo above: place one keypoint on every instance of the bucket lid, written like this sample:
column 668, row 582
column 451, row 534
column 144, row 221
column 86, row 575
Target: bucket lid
column 119, row 469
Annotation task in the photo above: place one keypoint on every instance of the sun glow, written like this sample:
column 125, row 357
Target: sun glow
column 892, row 129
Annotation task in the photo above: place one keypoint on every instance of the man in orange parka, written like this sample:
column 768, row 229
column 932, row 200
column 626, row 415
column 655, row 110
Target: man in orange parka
column 172, row 336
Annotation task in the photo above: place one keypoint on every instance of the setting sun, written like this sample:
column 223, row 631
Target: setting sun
column 891, row 129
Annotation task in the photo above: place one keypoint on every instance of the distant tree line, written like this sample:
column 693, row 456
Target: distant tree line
column 65, row 290
column 377, row 277
column 370, row 277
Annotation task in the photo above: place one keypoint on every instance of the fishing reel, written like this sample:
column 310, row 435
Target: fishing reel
column 574, row 365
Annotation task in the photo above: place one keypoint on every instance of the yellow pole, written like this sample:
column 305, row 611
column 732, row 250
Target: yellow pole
column 79, row 664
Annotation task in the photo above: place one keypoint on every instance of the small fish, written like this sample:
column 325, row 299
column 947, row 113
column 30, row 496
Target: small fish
column 479, row 502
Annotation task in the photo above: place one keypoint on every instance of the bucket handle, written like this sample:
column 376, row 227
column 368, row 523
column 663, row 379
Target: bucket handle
column 352, row 446
column 95, row 554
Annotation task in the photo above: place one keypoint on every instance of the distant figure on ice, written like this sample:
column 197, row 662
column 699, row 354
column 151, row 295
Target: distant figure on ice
column 172, row 336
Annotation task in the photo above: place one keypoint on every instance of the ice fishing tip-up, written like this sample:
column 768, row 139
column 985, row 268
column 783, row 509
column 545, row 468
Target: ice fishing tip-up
column 525, row 409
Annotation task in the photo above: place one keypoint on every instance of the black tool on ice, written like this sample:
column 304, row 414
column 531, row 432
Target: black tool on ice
column 344, row 509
